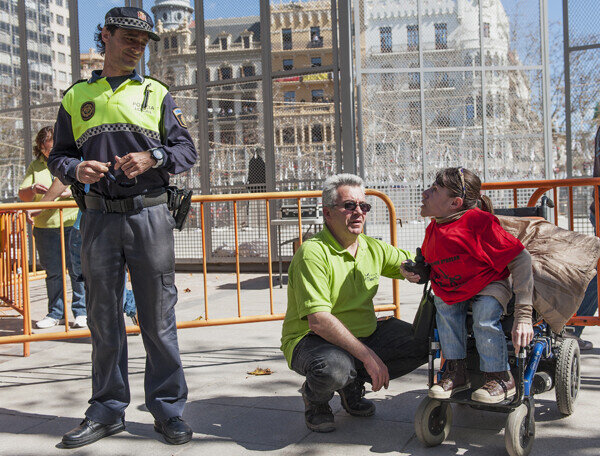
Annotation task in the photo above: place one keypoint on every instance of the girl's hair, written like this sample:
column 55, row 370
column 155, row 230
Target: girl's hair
column 466, row 185
column 40, row 138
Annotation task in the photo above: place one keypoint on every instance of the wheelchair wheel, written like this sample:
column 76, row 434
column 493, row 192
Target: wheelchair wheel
column 432, row 422
column 520, row 432
column 567, row 376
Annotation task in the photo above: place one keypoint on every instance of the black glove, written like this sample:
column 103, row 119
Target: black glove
column 418, row 267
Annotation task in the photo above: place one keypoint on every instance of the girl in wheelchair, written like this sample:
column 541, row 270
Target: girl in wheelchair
column 471, row 258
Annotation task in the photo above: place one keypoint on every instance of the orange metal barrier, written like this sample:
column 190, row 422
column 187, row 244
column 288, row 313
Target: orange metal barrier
column 541, row 187
column 14, row 277
column 203, row 200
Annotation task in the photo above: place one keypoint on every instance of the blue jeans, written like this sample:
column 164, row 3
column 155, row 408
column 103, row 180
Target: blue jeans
column 47, row 242
column 490, row 339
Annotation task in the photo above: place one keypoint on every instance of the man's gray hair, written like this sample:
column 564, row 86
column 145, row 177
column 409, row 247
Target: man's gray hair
column 332, row 183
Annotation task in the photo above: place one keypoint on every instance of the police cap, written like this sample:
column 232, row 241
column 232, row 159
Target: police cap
column 128, row 17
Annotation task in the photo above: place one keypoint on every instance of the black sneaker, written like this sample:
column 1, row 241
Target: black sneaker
column 353, row 400
column 318, row 417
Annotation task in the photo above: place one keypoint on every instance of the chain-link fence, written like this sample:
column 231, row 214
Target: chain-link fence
column 428, row 100
column 437, row 83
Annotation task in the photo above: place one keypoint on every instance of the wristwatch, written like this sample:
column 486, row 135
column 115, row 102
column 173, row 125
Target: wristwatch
column 158, row 154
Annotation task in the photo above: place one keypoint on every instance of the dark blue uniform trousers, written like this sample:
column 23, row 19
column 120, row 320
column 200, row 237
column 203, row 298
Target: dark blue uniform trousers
column 144, row 241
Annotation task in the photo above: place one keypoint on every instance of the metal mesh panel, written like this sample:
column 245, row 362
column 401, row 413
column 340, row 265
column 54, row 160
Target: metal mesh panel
column 418, row 118
column 583, row 24
column 453, row 123
column 511, row 32
column 300, row 34
column 585, row 93
column 387, row 44
column 451, row 34
column 514, row 123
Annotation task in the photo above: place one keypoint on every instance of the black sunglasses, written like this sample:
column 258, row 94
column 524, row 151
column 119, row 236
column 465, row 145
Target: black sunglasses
column 352, row 205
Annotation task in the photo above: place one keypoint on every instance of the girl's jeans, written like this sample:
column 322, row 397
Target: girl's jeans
column 490, row 339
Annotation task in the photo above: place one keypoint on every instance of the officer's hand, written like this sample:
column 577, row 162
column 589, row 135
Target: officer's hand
column 91, row 171
column 135, row 163
column 522, row 333
column 377, row 370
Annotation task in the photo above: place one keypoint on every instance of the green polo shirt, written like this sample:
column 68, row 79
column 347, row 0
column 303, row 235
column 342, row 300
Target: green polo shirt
column 324, row 277
column 38, row 173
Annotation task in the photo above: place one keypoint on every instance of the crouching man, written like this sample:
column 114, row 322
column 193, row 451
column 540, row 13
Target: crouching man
column 331, row 334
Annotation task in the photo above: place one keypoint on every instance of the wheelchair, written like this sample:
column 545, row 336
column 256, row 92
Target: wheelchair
column 549, row 361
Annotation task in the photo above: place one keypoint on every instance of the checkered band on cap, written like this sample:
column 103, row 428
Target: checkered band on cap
column 129, row 22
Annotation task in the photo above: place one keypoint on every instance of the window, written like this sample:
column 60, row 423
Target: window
column 223, row 44
column 315, row 61
column 166, row 43
column 470, row 112
column 441, row 36
column 207, row 74
column 61, row 57
column 286, row 38
column 62, row 76
column 315, row 33
column 60, row 20
column 288, row 135
column 486, row 29
column 317, row 133
column 288, row 64
column 414, row 110
column 173, row 42
column 248, row 70
column 226, row 72
column 60, row 38
column 318, row 96
column 387, row 82
column 59, row 2
column 479, row 107
column 289, row 97
column 385, row 38
column 414, row 81
column 443, row 80
column 246, row 42
column 412, row 37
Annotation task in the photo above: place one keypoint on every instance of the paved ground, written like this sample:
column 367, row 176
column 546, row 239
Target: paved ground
column 231, row 412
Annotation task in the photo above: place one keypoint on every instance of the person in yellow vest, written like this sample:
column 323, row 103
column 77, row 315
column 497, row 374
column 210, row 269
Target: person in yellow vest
column 46, row 231
column 123, row 134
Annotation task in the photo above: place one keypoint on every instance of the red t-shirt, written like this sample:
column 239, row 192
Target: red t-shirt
column 467, row 254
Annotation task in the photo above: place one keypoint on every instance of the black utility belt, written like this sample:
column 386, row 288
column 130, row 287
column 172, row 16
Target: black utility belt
column 131, row 204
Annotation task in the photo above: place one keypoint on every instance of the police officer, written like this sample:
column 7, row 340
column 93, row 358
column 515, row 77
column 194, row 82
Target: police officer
column 123, row 134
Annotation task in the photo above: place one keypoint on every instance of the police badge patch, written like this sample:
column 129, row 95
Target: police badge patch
column 179, row 116
column 87, row 110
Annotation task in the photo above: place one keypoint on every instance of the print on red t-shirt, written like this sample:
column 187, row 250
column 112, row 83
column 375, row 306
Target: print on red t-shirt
column 468, row 254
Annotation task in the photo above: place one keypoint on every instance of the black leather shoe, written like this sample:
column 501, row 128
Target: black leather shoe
column 353, row 401
column 174, row 429
column 89, row 431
